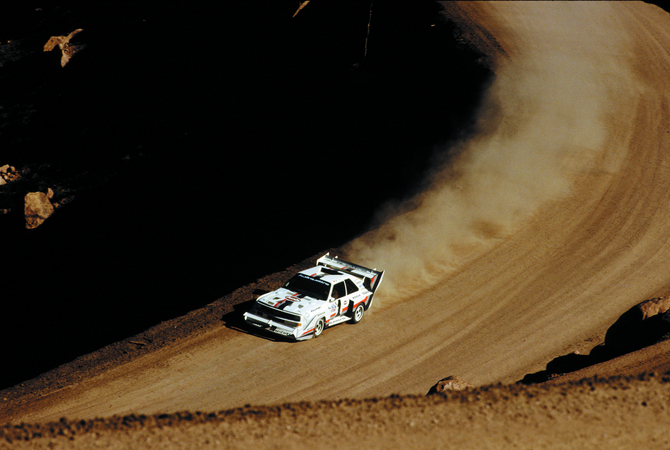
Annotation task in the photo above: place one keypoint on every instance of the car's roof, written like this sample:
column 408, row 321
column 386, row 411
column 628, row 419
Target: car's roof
column 326, row 274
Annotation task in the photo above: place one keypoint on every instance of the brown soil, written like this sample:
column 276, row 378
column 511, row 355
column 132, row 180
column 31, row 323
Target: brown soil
column 549, row 283
column 620, row 412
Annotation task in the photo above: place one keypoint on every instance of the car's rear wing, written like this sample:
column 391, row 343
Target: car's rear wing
column 372, row 278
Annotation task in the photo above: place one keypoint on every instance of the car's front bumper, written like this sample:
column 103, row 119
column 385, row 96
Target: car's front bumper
column 270, row 325
column 299, row 333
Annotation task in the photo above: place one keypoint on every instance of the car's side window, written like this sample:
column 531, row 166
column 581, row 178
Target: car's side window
column 351, row 286
column 338, row 290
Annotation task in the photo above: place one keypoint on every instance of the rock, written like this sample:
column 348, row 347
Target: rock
column 568, row 363
column 8, row 173
column 5, row 174
column 653, row 307
column 68, row 48
column 37, row 209
column 638, row 327
column 450, row 383
column 663, row 327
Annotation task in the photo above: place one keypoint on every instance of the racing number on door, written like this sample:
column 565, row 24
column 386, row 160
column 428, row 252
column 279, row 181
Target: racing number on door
column 339, row 294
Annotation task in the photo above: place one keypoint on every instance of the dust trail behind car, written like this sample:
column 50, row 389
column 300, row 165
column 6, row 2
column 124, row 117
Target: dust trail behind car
column 541, row 128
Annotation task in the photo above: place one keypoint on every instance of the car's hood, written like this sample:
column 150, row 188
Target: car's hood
column 291, row 301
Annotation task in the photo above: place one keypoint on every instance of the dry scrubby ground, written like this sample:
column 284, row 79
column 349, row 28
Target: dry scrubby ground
column 618, row 412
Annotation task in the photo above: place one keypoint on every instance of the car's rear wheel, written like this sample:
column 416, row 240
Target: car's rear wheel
column 319, row 327
column 358, row 313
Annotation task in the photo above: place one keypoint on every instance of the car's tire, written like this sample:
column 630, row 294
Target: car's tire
column 319, row 327
column 358, row 313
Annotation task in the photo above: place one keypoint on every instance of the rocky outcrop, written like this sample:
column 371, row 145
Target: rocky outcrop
column 8, row 173
column 450, row 383
column 38, row 208
column 68, row 48
column 639, row 327
column 645, row 324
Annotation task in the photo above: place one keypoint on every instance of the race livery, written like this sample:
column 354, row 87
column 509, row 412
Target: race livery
column 332, row 292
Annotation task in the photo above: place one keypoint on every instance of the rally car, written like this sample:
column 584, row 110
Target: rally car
column 332, row 292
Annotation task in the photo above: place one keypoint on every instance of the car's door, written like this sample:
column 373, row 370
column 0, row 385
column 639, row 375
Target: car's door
column 347, row 303
column 339, row 298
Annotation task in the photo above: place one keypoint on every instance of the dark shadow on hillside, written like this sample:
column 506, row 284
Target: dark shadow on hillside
column 206, row 147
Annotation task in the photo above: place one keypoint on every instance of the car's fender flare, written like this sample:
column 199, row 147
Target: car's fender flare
column 368, row 302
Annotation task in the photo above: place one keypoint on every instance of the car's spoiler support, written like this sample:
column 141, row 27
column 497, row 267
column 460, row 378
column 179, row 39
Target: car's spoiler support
column 372, row 278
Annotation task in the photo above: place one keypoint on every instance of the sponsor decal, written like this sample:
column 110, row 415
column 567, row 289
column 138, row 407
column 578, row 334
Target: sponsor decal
column 282, row 332
column 301, row 275
column 282, row 304
column 362, row 301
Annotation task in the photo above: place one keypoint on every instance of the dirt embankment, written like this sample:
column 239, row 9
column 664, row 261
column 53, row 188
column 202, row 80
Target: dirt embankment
column 619, row 412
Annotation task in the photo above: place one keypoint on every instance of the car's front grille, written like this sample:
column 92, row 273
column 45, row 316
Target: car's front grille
column 267, row 311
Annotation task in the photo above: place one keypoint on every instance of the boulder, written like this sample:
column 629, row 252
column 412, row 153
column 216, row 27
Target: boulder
column 639, row 327
column 37, row 208
column 450, row 383
column 568, row 363
column 7, row 173
column 663, row 327
column 654, row 307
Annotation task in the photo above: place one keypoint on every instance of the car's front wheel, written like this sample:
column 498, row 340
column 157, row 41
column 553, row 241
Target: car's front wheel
column 358, row 313
column 319, row 327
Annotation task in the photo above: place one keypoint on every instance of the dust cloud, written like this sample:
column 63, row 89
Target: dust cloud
column 543, row 123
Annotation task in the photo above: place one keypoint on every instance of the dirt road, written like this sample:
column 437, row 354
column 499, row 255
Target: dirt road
column 553, row 223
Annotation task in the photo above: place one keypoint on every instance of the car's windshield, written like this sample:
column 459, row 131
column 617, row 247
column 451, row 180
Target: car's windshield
column 309, row 286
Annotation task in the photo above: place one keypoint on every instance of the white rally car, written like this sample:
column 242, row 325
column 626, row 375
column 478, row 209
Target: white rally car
column 332, row 292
